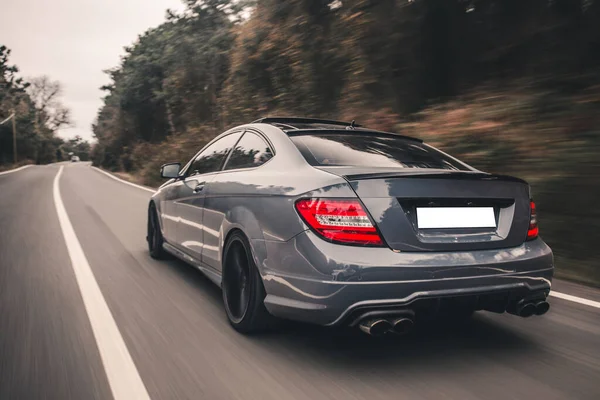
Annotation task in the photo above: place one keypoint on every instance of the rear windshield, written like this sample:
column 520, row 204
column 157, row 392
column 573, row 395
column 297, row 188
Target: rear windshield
column 371, row 151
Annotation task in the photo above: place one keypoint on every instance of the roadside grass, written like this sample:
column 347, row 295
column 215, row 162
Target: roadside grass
column 6, row 167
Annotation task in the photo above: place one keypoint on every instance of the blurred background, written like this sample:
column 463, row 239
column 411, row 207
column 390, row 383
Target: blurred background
column 509, row 86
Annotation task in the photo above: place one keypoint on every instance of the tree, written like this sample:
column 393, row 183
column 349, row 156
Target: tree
column 38, row 114
column 10, row 83
column 77, row 146
column 286, row 59
column 13, row 97
column 50, row 111
column 168, row 82
column 375, row 61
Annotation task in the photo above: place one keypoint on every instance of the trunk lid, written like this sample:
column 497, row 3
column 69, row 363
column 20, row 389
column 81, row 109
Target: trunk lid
column 396, row 197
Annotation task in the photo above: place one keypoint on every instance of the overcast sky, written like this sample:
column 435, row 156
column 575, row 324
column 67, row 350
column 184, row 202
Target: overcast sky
column 72, row 41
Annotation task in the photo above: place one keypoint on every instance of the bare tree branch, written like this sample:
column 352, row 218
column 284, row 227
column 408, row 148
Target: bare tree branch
column 50, row 111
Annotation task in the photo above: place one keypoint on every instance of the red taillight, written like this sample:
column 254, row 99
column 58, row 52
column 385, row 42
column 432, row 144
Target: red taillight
column 533, row 231
column 340, row 221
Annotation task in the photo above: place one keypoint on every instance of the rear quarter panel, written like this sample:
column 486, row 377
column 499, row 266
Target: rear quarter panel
column 260, row 203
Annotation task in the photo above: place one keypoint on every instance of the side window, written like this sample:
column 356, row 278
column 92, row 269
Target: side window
column 251, row 151
column 211, row 159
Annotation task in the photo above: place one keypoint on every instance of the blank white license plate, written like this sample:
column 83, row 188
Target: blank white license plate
column 455, row 217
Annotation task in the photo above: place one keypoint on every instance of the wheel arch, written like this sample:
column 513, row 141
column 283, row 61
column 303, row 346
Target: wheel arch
column 153, row 204
column 241, row 219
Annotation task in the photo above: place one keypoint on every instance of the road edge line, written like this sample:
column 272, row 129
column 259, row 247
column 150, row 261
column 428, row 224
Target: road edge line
column 15, row 170
column 123, row 377
column 124, row 181
column 575, row 299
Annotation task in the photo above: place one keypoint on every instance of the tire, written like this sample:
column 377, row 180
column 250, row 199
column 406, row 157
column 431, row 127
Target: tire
column 243, row 290
column 154, row 237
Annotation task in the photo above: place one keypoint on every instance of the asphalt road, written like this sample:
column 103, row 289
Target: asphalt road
column 173, row 324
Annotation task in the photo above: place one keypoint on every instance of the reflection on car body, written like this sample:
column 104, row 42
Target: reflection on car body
column 318, row 221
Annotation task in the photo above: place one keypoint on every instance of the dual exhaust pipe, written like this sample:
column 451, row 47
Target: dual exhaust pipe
column 527, row 309
column 404, row 324
column 381, row 326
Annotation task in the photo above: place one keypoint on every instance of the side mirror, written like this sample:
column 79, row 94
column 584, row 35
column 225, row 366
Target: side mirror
column 170, row 170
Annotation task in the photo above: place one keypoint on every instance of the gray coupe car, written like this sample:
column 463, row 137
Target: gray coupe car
column 330, row 223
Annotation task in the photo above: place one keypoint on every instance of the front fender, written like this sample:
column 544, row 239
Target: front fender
column 157, row 200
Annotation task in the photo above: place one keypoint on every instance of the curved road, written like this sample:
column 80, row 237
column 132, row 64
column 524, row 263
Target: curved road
column 173, row 324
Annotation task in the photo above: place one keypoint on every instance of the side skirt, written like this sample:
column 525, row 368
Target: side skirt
column 210, row 273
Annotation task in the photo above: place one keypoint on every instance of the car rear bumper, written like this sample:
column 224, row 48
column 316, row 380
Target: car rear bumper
column 308, row 279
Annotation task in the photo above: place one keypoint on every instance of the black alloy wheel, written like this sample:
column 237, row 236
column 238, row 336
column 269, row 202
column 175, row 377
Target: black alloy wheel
column 237, row 281
column 243, row 290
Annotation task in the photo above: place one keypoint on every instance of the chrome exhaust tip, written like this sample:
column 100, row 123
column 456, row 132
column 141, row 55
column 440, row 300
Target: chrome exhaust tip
column 376, row 327
column 542, row 307
column 403, row 325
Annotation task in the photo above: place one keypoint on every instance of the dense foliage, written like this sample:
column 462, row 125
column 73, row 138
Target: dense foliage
column 513, row 86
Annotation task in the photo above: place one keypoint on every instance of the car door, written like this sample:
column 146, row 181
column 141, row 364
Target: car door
column 191, row 194
column 229, row 189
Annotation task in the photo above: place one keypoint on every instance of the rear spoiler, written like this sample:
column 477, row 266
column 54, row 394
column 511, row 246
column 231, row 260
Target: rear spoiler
column 356, row 131
column 455, row 175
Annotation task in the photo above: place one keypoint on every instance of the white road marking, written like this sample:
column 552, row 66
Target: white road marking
column 123, row 377
column 15, row 170
column 575, row 299
column 124, row 181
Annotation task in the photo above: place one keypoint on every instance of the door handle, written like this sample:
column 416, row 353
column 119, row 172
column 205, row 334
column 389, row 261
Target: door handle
column 195, row 188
